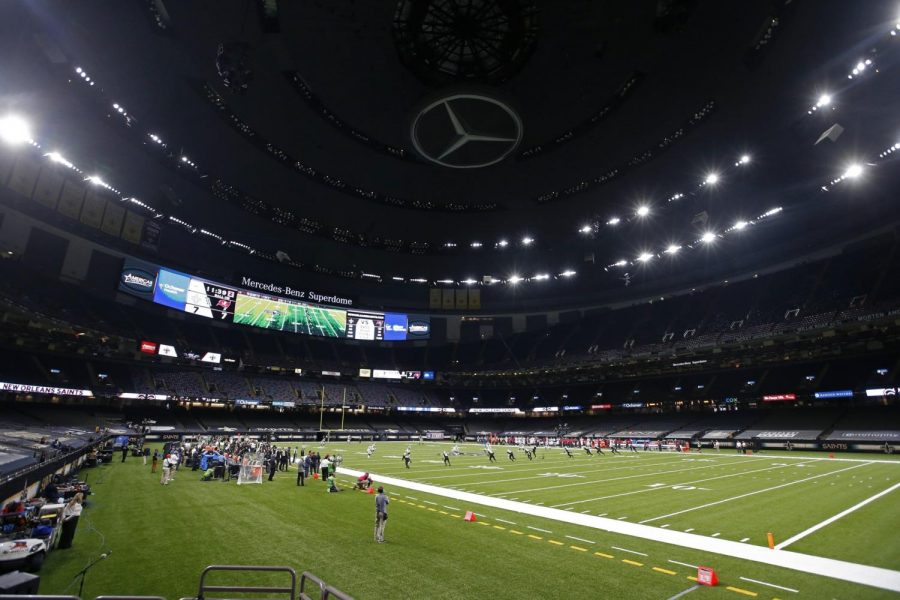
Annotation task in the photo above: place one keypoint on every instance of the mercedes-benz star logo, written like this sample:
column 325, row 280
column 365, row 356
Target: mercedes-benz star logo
column 466, row 131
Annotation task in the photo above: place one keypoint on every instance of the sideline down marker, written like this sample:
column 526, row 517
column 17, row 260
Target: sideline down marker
column 707, row 576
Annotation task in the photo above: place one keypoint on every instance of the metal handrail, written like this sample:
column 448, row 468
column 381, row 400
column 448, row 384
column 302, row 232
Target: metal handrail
column 307, row 576
column 203, row 588
column 333, row 592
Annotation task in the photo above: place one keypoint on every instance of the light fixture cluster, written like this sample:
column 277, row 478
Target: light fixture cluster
column 861, row 67
column 890, row 150
column 645, row 207
column 706, row 238
column 15, row 131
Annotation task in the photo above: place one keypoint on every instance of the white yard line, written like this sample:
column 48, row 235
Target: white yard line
column 629, row 551
column 816, row 565
column 840, row 515
column 667, row 487
column 538, row 529
column 596, row 481
column 685, row 592
column 504, row 521
column 780, row 587
column 675, row 562
column 776, row 487
column 572, row 537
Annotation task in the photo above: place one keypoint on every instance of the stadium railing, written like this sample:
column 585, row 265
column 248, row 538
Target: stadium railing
column 205, row 588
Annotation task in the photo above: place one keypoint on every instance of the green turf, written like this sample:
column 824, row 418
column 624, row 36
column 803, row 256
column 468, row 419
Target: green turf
column 289, row 316
column 162, row 537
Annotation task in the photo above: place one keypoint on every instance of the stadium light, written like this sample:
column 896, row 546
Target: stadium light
column 740, row 225
column 469, row 281
column 567, row 273
column 745, row 159
column 708, row 237
column 503, row 243
column 712, row 179
column 527, row 241
column 643, row 210
column 614, row 221
column 853, row 171
column 475, row 244
column 620, row 263
column 541, row 277
column 824, row 100
column 644, row 257
column 59, row 159
column 585, row 229
column 672, row 249
column 514, row 279
column 14, row 130
column 96, row 180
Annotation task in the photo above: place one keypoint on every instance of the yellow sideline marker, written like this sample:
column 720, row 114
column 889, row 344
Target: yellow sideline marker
column 554, row 542
column 661, row 570
column 741, row 591
column 578, row 548
column 632, row 562
column 516, row 532
column 535, row 537
column 603, row 555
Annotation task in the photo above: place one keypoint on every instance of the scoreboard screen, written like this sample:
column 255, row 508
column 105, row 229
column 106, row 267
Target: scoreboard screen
column 211, row 300
column 196, row 296
column 365, row 326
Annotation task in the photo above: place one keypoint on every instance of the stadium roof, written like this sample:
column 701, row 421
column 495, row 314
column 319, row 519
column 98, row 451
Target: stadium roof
column 447, row 140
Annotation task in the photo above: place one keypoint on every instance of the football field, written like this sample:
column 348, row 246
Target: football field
column 286, row 316
column 552, row 527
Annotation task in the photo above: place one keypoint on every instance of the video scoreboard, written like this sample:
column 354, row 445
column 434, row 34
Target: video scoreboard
column 212, row 300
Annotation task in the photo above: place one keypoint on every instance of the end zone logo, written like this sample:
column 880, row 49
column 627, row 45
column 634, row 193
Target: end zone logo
column 138, row 280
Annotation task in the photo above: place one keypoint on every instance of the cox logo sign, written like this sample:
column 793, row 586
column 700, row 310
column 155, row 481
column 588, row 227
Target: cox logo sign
column 418, row 328
column 138, row 280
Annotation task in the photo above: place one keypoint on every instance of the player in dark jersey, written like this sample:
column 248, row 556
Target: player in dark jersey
column 529, row 454
column 587, row 450
column 446, row 458
column 490, row 454
column 510, row 455
column 406, row 458
column 568, row 452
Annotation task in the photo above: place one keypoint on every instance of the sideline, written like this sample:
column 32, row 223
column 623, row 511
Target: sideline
column 827, row 567
column 840, row 515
